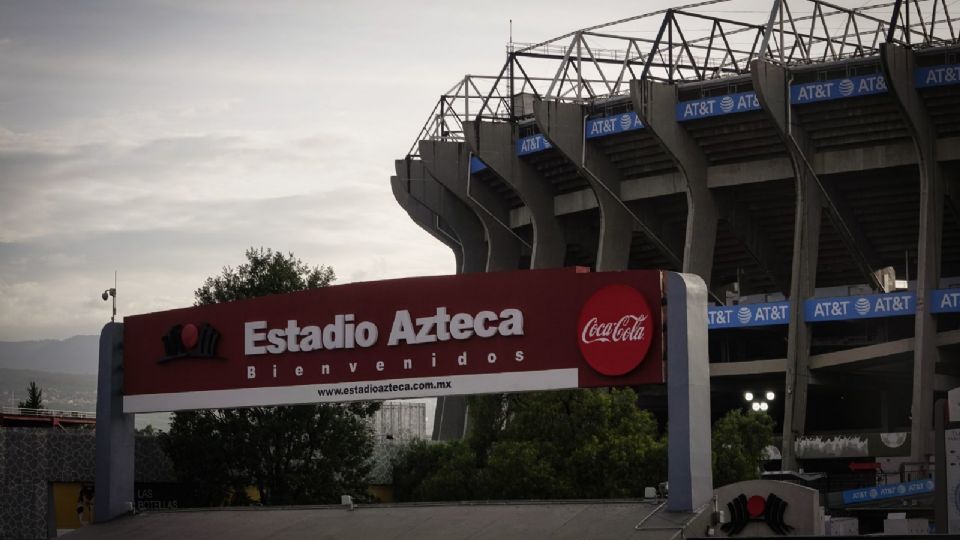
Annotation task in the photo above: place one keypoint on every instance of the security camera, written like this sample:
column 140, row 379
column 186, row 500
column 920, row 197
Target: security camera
column 105, row 295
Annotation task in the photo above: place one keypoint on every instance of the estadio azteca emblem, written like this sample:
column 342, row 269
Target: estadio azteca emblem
column 616, row 330
column 756, row 508
column 190, row 340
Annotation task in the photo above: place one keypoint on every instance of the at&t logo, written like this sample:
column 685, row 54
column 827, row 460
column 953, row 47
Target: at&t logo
column 846, row 87
column 726, row 104
column 615, row 330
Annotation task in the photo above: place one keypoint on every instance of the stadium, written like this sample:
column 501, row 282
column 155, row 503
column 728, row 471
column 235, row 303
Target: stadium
column 802, row 159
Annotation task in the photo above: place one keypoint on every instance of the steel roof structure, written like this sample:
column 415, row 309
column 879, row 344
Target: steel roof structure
column 799, row 159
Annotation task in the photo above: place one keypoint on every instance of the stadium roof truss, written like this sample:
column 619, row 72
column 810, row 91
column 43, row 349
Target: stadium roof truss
column 689, row 45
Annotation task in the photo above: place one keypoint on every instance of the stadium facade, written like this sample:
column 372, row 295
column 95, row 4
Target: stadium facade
column 806, row 166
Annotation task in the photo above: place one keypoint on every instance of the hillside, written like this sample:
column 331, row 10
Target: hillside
column 63, row 391
column 76, row 355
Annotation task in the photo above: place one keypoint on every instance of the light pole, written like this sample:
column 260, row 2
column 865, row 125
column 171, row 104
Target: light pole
column 112, row 293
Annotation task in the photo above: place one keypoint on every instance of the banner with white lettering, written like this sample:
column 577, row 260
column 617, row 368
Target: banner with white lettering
column 748, row 315
column 945, row 301
column 532, row 144
column 888, row 491
column 927, row 77
column 611, row 125
column 717, row 106
column 837, row 89
column 868, row 306
column 417, row 337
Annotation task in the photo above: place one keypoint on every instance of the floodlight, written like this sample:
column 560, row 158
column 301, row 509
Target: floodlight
column 756, row 406
column 770, row 395
column 748, row 396
column 764, row 406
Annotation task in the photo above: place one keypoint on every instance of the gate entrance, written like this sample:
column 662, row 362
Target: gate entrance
column 418, row 337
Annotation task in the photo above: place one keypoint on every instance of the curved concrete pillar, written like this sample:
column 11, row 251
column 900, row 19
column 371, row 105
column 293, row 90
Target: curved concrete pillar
column 562, row 124
column 655, row 104
column 449, row 164
column 770, row 83
column 898, row 67
column 426, row 190
column 493, row 143
column 424, row 217
column 425, row 199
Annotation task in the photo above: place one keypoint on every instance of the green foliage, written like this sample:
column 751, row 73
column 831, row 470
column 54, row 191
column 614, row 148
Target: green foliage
column 34, row 397
column 149, row 431
column 292, row 455
column 265, row 272
column 739, row 440
column 569, row 444
column 426, row 471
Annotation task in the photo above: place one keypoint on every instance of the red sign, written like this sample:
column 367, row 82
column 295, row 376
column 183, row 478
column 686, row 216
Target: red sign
column 417, row 337
column 857, row 466
column 616, row 329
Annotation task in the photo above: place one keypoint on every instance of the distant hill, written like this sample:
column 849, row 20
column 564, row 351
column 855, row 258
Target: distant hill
column 64, row 392
column 61, row 391
column 75, row 355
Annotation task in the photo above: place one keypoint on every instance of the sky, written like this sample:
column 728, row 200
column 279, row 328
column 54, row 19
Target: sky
column 160, row 139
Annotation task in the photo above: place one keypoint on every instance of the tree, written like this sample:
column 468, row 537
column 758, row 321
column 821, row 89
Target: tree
column 266, row 272
column 34, row 397
column 427, row 471
column 739, row 440
column 292, row 455
column 567, row 444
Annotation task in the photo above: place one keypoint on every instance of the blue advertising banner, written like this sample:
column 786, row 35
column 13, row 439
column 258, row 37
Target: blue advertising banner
column 945, row 301
column 717, row 106
column 837, row 89
column 936, row 76
column 887, row 491
column 532, row 144
column 868, row 306
column 476, row 165
column 748, row 315
column 610, row 125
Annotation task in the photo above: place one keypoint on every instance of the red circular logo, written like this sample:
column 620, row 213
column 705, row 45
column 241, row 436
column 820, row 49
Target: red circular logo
column 616, row 329
column 189, row 335
column 756, row 505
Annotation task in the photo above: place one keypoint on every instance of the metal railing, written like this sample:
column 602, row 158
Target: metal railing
column 47, row 413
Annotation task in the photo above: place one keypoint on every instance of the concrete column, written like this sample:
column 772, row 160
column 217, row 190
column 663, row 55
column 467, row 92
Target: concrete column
column 562, row 124
column 449, row 164
column 424, row 217
column 115, row 433
column 655, row 104
column 773, row 92
column 423, row 188
column 493, row 143
column 689, row 467
column 898, row 67
column 449, row 420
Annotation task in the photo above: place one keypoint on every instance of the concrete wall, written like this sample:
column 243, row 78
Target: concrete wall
column 803, row 511
column 32, row 458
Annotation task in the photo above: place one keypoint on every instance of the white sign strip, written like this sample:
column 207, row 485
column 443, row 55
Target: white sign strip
column 552, row 379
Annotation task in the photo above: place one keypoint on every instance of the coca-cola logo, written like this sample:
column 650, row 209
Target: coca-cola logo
column 616, row 328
